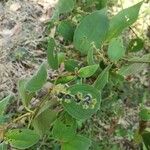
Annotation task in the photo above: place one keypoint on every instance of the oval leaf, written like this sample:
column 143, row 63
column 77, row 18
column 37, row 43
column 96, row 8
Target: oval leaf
column 65, row 79
column 63, row 132
column 22, row 138
column 3, row 104
column 132, row 69
column 52, row 58
column 78, row 143
column 122, row 20
column 90, row 57
column 38, row 80
column 43, row 121
column 116, row 49
column 66, row 30
column 65, row 6
column 24, row 95
column 76, row 110
column 135, row 45
column 102, row 79
column 3, row 146
column 91, row 30
column 87, row 71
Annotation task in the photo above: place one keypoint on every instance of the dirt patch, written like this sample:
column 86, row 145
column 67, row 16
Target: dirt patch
column 21, row 30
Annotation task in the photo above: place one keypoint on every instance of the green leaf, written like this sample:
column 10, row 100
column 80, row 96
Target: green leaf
column 146, row 139
column 87, row 71
column 102, row 79
column 116, row 49
column 52, row 58
column 71, row 65
column 122, row 20
column 38, row 80
column 3, row 104
column 66, row 30
column 24, row 95
column 90, row 58
column 78, row 143
column 132, row 69
column 145, row 58
column 135, row 45
column 22, row 138
column 101, row 4
column 65, row 6
column 3, row 146
column 43, row 120
column 61, row 57
column 91, row 31
column 63, row 132
column 77, row 111
column 62, row 7
column 145, row 114
column 116, row 78
column 65, row 79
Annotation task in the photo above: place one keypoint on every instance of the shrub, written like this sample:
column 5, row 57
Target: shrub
column 87, row 53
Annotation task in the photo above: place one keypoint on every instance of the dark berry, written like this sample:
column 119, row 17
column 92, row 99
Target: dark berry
column 60, row 95
column 87, row 98
column 67, row 96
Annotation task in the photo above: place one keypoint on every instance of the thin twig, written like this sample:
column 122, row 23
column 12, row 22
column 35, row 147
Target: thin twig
column 19, row 118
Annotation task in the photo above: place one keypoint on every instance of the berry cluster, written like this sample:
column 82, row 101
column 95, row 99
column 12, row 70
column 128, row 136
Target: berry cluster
column 63, row 95
column 86, row 101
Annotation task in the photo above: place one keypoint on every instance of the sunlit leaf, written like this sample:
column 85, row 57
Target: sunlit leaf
column 65, row 79
column 87, row 71
column 123, row 19
column 61, row 57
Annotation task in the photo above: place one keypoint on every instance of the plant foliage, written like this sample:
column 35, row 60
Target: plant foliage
column 89, row 58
